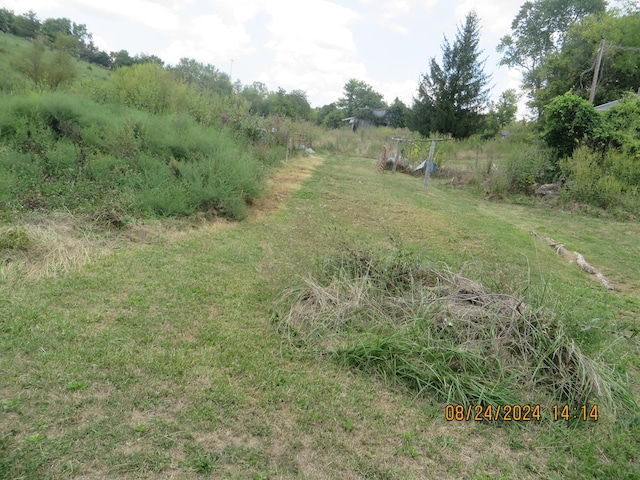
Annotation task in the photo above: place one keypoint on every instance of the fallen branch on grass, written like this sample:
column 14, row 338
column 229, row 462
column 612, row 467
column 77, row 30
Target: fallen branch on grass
column 574, row 257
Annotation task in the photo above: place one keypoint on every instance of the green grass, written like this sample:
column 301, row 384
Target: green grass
column 160, row 360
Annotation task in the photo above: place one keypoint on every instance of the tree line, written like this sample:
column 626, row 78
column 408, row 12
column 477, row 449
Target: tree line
column 554, row 43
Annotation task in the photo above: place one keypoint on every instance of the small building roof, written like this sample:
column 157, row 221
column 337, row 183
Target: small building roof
column 606, row 106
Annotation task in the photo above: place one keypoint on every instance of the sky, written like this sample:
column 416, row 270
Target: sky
column 310, row 45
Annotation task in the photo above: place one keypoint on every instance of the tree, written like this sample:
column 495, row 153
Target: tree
column 538, row 30
column 398, row 112
column 571, row 68
column 452, row 97
column 51, row 27
column 329, row 115
column 505, row 108
column 359, row 99
column 141, row 58
column 205, row 77
column 7, row 17
column 256, row 94
column 569, row 121
column 293, row 104
column 26, row 26
column 501, row 113
column 59, row 70
column 121, row 59
column 45, row 69
column 91, row 53
column 32, row 63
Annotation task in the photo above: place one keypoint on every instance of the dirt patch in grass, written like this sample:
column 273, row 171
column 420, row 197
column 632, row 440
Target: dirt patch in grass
column 283, row 183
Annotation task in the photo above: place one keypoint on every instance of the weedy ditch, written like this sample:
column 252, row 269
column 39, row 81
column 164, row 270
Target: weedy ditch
column 434, row 331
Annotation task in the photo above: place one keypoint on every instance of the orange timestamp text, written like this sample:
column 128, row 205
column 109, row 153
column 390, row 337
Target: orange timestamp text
column 518, row 413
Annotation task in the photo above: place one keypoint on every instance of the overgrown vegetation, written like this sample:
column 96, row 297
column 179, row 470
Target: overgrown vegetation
column 65, row 152
column 439, row 333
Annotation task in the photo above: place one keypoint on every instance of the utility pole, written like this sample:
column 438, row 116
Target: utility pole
column 596, row 72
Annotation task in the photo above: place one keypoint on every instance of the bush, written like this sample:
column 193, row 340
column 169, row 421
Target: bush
column 568, row 121
column 621, row 128
column 601, row 181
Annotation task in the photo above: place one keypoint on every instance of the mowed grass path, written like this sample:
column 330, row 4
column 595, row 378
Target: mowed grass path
column 161, row 361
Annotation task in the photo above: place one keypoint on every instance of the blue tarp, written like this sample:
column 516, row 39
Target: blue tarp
column 423, row 165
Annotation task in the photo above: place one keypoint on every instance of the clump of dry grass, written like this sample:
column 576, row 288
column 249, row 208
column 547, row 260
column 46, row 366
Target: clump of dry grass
column 49, row 246
column 435, row 330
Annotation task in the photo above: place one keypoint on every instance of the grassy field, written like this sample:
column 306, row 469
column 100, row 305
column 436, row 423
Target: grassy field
column 154, row 354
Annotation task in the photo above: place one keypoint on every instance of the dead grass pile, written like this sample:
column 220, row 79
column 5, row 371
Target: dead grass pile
column 436, row 331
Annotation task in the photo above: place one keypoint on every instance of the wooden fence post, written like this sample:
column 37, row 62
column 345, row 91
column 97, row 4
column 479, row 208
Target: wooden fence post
column 427, row 167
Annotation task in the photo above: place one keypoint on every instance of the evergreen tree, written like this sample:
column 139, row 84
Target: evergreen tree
column 451, row 98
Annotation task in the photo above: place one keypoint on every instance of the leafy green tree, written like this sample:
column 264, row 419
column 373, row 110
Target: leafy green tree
column 26, row 25
column 538, row 30
column 293, row 104
column 501, row 113
column 572, row 67
column 206, row 77
column 329, row 115
column 359, row 99
column 568, row 122
column 51, row 27
column 398, row 112
column 92, row 54
column 506, row 107
column 141, row 58
column 256, row 94
column 121, row 59
column 32, row 63
column 452, row 97
column 66, row 43
column 7, row 17
column 79, row 30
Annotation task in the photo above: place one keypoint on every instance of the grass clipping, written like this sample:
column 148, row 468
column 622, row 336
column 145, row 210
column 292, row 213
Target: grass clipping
column 434, row 331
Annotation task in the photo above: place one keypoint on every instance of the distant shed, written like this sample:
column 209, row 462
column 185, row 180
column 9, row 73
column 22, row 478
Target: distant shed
column 606, row 106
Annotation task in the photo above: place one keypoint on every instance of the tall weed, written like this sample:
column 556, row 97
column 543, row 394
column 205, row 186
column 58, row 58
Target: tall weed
column 67, row 152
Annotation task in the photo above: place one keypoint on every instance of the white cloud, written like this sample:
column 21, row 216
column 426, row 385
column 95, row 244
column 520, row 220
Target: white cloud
column 210, row 40
column 403, row 8
column 143, row 12
column 313, row 48
column 404, row 90
column 239, row 11
column 496, row 16
column 38, row 6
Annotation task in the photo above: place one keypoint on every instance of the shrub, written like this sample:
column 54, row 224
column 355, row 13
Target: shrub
column 621, row 127
column 601, row 181
column 568, row 120
column 527, row 169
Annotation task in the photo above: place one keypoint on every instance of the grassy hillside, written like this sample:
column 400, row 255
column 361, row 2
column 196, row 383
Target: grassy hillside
column 163, row 360
column 13, row 48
